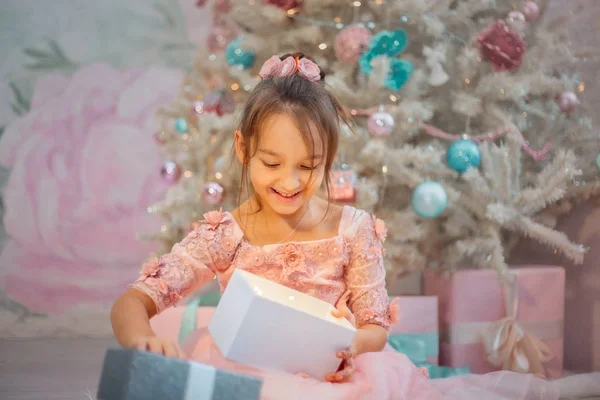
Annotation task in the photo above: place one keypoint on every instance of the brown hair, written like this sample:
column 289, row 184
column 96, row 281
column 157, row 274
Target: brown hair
column 308, row 103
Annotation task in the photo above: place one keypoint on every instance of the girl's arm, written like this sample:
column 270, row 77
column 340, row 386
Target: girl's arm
column 164, row 282
column 365, row 280
column 130, row 317
column 370, row 338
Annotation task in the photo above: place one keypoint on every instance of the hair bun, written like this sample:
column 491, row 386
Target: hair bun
column 299, row 55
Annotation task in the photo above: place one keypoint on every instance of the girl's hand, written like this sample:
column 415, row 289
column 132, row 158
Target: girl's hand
column 342, row 310
column 347, row 366
column 160, row 346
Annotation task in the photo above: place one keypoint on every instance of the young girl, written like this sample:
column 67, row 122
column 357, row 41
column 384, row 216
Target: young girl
column 286, row 143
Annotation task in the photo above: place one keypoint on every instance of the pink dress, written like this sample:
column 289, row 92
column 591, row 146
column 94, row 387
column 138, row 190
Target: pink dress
column 351, row 260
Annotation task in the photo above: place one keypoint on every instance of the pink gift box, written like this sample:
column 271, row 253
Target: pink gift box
column 473, row 299
column 418, row 315
column 167, row 324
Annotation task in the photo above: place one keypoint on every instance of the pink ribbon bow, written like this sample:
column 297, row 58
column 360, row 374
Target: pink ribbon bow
column 275, row 67
column 508, row 345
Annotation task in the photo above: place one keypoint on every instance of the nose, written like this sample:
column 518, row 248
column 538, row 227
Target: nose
column 290, row 182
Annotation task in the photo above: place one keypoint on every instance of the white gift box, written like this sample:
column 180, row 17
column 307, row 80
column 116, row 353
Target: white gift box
column 266, row 325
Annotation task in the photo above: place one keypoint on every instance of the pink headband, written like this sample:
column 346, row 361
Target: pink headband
column 274, row 67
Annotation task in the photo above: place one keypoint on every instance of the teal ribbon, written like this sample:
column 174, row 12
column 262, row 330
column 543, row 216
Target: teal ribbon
column 188, row 322
column 418, row 347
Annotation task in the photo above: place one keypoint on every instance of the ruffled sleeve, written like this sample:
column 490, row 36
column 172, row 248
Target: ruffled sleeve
column 191, row 263
column 365, row 274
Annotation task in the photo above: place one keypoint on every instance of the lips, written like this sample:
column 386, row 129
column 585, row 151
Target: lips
column 287, row 196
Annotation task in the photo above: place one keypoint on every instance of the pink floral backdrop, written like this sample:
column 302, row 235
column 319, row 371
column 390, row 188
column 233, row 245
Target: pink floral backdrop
column 79, row 164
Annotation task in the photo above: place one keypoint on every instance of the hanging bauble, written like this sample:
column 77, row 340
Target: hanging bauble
column 283, row 4
column 502, row 46
column 212, row 193
column 170, row 172
column 238, row 57
column 351, row 42
column 429, row 199
column 160, row 138
column 197, row 107
column 531, row 11
column 567, row 101
column 181, row 125
column 462, row 155
column 380, row 124
column 219, row 102
column 218, row 37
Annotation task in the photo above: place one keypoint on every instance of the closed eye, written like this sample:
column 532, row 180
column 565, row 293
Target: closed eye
column 270, row 165
column 309, row 168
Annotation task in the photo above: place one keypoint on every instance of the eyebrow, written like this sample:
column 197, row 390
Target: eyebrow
column 274, row 154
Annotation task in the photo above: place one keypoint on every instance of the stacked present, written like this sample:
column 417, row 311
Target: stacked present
column 512, row 323
column 416, row 335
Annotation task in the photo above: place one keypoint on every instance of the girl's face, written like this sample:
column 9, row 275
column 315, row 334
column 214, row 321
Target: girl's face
column 285, row 173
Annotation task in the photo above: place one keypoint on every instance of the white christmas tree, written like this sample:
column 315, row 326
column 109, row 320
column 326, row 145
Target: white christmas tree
column 467, row 128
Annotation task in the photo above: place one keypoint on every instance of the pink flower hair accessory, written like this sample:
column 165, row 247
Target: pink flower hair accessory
column 275, row 67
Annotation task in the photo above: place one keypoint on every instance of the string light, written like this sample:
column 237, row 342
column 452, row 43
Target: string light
column 323, row 46
column 468, row 81
column 393, row 98
column 581, row 87
column 187, row 174
column 357, row 4
column 235, row 86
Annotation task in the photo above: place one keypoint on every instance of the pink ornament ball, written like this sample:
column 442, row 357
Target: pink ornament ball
column 380, row 124
column 159, row 138
column 171, row 172
column 350, row 42
column 531, row 11
column 567, row 101
column 197, row 107
column 212, row 193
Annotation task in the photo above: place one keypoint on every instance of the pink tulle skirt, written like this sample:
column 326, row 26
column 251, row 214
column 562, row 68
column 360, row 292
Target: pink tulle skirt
column 379, row 376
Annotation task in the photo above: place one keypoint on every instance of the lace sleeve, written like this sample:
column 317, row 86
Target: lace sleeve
column 192, row 263
column 365, row 275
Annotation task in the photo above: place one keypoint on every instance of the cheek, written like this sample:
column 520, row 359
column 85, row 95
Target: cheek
column 315, row 181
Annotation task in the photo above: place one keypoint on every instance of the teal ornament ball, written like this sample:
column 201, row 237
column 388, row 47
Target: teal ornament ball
column 236, row 56
column 181, row 125
column 462, row 155
column 429, row 200
column 400, row 71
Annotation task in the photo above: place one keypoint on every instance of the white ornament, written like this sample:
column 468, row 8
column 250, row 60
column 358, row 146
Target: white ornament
column 435, row 57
